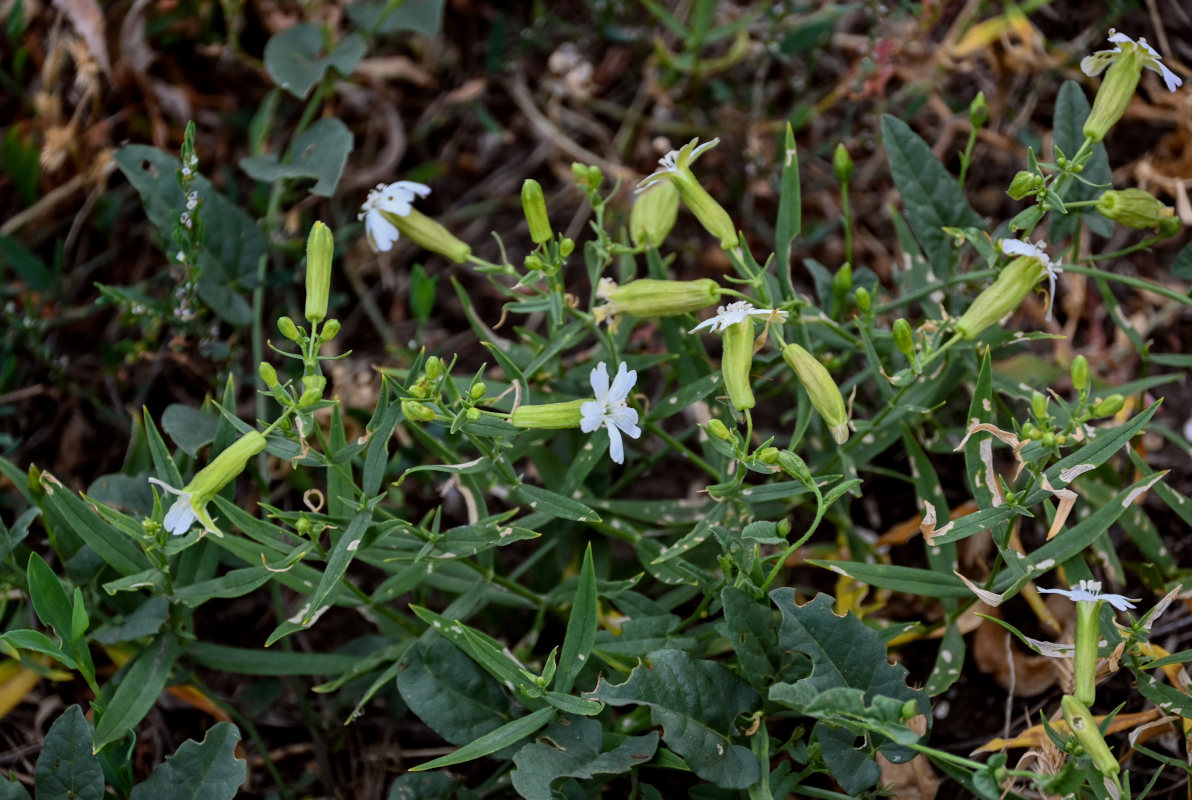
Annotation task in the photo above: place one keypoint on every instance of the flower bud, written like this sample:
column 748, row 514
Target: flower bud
column 768, row 455
column 649, row 297
column 1169, row 226
column 588, row 177
column 1080, row 373
column 430, row 235
column 320, row 247
column 534, row 206
column 842, row 281
column 736, row 363
column 434, row 368
column 472, row 414
column 904, row 339
column 719, row 430
column 795, row 466
column 550, row 416
column 1039, row 405
column 288, row 328
column 330, row 330
column 842, row 163
column 1108, row 406
column 823, row 391
column 863, row 299
column 477, row 391
column 1003, row 296
column 1133, row 208
column 784, row 527
column 566, row 246
column 417, row 412
column 978, row 111
column 1084, row 727
column 268, row 374
column 654, row 214
column 1023, row 184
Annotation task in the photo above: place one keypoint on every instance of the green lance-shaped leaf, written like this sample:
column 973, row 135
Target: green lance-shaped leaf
column 696, row 703
column 207, row 770
column 66, row 768
column 507, row 734
column 144, row 679
column 49, row 598
column 450, row 693
column 581, row 627
column 574, row 749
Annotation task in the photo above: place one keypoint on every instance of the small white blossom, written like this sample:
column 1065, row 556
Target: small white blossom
column 1015, row 247
column 736, row 312
column 609, row 409
column 676, row 162
column 192, row 201
column 1098, row 61
column 1090, row 592
column 181, row 514
column 392, row 198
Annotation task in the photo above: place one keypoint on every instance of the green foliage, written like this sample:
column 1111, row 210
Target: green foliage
column 208, row 770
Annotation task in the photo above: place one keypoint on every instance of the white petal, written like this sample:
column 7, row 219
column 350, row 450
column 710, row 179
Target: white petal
column 381, row 232
column 710, row 323
column 616, row 447
column 1016, row 247
column 180, row 516
column 599, row 380
column 412, row 187
column 699, row 150
column 1097, row 62
column 651, row 179
column 591, row 416
column 1118, row 601
column 1119, row 38
column 622, row 384
column 1172, row 80
column 166, row 486
column 625, row 418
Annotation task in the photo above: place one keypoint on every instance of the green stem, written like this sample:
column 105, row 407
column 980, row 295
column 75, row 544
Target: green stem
column 1137, row 283
column 653, row 428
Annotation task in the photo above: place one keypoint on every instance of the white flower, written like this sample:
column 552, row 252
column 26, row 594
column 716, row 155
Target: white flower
column 1015, row 247
column 677, row 162
column 1090, row 592
column 181, row 514
column 392, row 198
column 736, row 312
column 609, row 408
column 1098, row 61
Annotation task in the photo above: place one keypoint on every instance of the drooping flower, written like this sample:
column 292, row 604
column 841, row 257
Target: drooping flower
column 1125, row 64
column 676, row 168
column 1148, row 56
column 610, row 410
column 1013, row 284
column 737, row 312
column 394, row 198
column 191, row 505
column 650, row 297
column 1016, row 247
column 1090, row 592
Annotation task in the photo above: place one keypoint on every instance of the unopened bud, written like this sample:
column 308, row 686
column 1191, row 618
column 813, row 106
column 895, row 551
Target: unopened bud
column 434, row 368
column 268, row 374
column 842, row 281
column 288, row 328
column 1169, row 227
column 320, row 247
column 588, row 177
column 654, row 213
column 566, row 247
column 534, row 206
column 1108, row 406
column 1080, row 373
column 477, row 391
column 551, row 416
column 768, row 455
column 795, row 466
column 863, row 299
column 417, row 412
column 784, row 527
column 978, row 111
column 904, row 339
column 1023, row 184
column 719, row 430
column 1039, row 405
column 1133, row 208
column 472, row 414
column 312, row 390
column 823, row 391
column 330, row 330
column 842, row 163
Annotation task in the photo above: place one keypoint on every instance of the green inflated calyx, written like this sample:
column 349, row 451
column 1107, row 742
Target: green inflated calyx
column 430, row 235
column 649, row 297
column 1005, row 295
column 549, row 416
column 1134, row 208
column 534, row 207
column 824, row 393
column 320, row 247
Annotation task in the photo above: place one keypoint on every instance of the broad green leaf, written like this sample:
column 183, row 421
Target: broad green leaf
column 189, row 427
column 319, row 152
column 12, row 790
column 295, row 61
column 424, row 17
column 751, row 629
column 37, row 642
column 207, row 770
column 508, row 734
column 932, row 198
column 911, row 580
column 581, row 627
column 49, row 598
column 852, row 768
column 555, row 504
column 112, row 545
column 423, row 785
column 844, row 653
column 1071, row 110
column 20, row 155
column 67, row 769
column 28, row 267
column 146, row 620
column 575, row 749
column 144, row 679
column 454, row 697
column 1182, row 266
column 696, row 703
column 482, row 648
